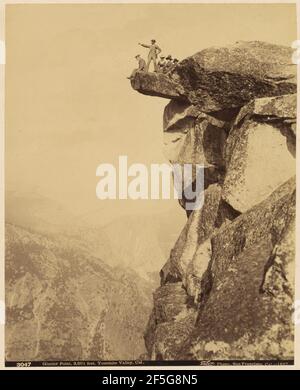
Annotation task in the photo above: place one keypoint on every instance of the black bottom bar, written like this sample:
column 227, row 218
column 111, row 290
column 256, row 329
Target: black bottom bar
column 134, row 363
column 236, row 379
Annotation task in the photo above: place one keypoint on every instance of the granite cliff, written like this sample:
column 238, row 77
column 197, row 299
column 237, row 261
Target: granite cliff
column 227, row 288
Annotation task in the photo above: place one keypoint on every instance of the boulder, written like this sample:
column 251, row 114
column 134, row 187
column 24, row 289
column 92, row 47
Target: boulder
column 245, row 276
column 259, row 152
column 283, row 108
column 197, row 140
column 198, row 228
column 170, row 323
column 193, row 137
column 247, row 304
column 177, row 111
column 221, row 78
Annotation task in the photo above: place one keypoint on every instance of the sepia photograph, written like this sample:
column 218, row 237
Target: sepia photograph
column 150, row 185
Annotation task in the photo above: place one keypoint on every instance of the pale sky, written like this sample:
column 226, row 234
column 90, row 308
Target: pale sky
column 69, row 106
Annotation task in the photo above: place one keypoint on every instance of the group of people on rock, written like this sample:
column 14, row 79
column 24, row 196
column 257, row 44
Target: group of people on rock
column 164, row 65
column 167, row 63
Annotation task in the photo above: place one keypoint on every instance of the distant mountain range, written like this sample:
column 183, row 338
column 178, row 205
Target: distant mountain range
column 78, row 292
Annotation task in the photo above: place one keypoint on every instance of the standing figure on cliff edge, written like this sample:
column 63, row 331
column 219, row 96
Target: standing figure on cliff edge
column 154, row 50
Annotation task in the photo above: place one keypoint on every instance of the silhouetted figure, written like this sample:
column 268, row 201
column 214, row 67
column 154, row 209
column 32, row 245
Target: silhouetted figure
column 174, row 64
column 141, row 66
column 154, row 50
column 161, row 64
column 169, row 64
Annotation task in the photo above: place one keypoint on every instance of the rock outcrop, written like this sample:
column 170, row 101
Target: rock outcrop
column 225, row 77
column 260, row 151
column 227, row 288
